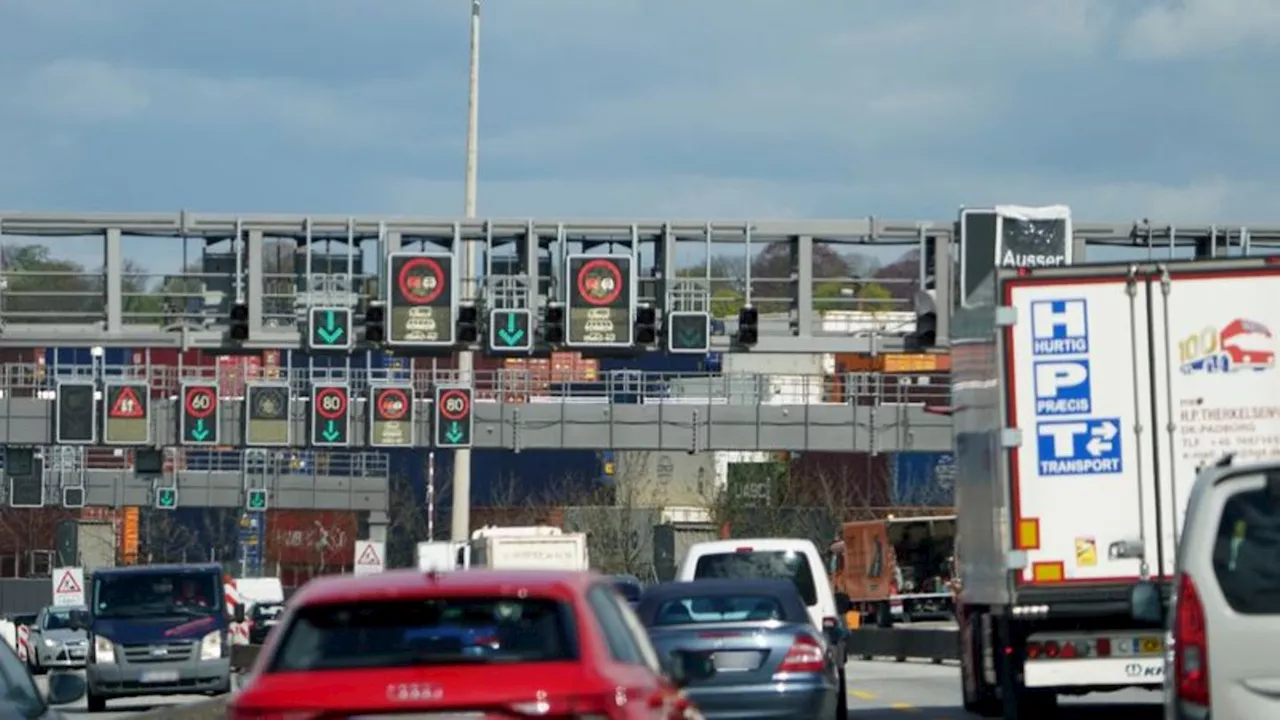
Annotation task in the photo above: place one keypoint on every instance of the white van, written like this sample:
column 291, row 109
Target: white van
column 773, row 558
column 1225, row 618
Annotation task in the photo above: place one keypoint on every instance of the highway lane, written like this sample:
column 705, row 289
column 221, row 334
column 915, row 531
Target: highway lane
column 122, row 708
column 883, row 690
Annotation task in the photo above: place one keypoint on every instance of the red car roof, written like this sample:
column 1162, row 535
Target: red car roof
column 563, row 585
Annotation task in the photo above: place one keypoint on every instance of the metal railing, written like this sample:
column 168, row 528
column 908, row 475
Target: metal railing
column 520, row 385
column 68, row 460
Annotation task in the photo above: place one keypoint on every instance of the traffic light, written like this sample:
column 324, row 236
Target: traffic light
column 553, row 328
column 646, row 329
column 73, row 496
column 925, row 336
column 148, row 461
column 467, row 329
column 239, row 321
column 748, row 326
column 375, row 323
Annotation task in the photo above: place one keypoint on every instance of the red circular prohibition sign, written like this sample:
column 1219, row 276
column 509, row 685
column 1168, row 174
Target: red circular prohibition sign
column 393, row 404
column 197, row 396
column 416, row 294
column 331, row 392
column 589, row 292
column 448, row 395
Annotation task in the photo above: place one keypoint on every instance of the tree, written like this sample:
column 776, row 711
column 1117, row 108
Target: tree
column 771, row 284
column 165, row 540
column 902, row 276
column 406, row 523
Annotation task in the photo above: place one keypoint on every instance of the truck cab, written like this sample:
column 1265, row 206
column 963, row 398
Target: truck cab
column 156, row 630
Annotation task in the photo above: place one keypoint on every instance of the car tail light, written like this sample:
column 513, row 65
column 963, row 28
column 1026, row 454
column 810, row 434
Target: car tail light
column 744, row 549
column 592, row 706
column 1190, row 645
column 1104, row 647
column 1069, row 650
column 805, row 656
column 1034, row 650
column 1052, row 650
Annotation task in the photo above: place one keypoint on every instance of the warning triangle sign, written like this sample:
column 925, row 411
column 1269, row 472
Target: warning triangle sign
column 369, row 556
column 67, row 584
column 127, row 405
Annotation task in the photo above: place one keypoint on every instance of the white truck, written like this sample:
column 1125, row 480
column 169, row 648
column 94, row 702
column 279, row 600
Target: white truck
column 539, row 547
column 1085, row 399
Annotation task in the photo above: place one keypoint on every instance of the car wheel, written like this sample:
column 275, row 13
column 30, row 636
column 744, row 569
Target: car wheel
column 95, row 703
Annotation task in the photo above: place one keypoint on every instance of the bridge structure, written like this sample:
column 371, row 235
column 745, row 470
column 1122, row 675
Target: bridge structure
column 346, row 285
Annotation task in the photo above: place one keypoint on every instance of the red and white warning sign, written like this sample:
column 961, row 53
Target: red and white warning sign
column 127, row 405
column 369, row 557
column 68, row 587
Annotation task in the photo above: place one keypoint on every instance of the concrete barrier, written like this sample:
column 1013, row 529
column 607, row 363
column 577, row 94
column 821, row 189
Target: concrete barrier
column 901, row 645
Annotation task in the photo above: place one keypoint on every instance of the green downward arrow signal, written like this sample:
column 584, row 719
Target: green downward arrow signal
column 330, row 332
column 690, row 337
column 512, row 334
column 454, row 433
column 199, row 432
column 330, row 432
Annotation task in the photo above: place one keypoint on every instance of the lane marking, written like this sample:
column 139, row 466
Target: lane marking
column 862, row 694
column 904, row 707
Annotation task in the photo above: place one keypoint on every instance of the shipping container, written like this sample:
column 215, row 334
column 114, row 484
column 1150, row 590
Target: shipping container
column 672, row 542
column 502, row 478
column 923, row 479
column 838, row 480
column 311, row 538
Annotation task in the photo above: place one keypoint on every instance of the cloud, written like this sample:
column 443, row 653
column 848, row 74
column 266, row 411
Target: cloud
column 1205, row 28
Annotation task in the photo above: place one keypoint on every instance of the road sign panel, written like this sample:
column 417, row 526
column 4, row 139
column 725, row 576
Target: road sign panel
column 68, row 587
column 330, row 329
column 370, row 557
column 167, row 498
column 73, row 496
column 1079, row 447
column 256, row 500
column 127, row 411
column 422, row 299
column 688, row 332
column 26, row 491
column 601, row 303
column 201, row 415
column 391, row 416
column 77, row 413
column 454, row 421
column 267, row 415
column 511, row 330
column 330, row 415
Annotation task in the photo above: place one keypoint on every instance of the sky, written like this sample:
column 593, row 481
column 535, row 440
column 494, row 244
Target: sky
column 644, row 108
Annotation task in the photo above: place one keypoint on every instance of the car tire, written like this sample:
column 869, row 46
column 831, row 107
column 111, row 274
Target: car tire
column 95, row 703
column 981, row 700
column 884, row 616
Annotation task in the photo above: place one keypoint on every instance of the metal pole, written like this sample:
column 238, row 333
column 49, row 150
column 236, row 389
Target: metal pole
column 431, row 495
column 461, row 515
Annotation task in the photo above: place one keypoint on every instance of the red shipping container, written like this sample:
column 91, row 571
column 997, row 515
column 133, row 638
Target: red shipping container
column 311, row 538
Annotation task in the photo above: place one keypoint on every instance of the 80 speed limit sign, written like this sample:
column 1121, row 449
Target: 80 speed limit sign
column 453, row 417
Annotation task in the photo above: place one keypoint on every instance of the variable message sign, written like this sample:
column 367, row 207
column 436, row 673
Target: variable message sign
column 688, row 332
column 422, row 300
column 330, row 415
column 201, row 415
column 127, row 410
column 77, row 413
column 330, row 329
column 601, row 303
column 453, row 417
column 391, row 416
column 267, row 415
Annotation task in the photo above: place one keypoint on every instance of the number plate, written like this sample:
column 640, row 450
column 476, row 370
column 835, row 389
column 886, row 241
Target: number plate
column 159, row 676
column 737, row 660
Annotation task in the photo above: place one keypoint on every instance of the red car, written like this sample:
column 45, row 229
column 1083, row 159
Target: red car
column 481, row 645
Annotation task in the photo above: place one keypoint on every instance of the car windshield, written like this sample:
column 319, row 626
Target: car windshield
column 268, row 611
column 761, row 565
column 718, row 609
column 156, row 595
column 59, row 619
column 1246, row 553
column 462, row 630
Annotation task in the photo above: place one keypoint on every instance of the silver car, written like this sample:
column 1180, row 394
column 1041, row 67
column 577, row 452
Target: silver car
column 52, row 644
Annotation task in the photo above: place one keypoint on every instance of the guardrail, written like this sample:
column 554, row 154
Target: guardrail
column 935, row 645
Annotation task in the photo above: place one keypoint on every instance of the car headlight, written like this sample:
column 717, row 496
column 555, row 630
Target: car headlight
column 211, row 646
column 49, row 643
column 104, row 651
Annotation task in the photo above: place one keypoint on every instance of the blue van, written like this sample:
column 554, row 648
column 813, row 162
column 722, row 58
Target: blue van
column 156, row 630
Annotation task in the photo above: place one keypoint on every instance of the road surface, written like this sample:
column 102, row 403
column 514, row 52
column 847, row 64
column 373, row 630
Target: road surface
column 885, row 690
column 122, row 708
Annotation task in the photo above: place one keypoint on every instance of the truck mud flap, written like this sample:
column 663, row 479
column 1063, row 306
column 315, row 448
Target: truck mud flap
column 935, row 645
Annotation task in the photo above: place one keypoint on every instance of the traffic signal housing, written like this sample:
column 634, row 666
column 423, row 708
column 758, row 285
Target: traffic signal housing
column 467, row 329
column 646, row 325
column 375, row 323
column 240, row 322
column 748, row 326
column 553, row 325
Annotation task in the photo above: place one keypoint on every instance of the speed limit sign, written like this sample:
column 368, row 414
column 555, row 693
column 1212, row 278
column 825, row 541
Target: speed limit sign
column 453, row 416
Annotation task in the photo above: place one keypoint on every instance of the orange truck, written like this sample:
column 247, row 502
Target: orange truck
column 895, row 569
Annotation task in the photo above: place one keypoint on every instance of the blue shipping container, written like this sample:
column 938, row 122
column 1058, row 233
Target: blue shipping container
column 922, row 479
column 66, row 357
column 502, row 478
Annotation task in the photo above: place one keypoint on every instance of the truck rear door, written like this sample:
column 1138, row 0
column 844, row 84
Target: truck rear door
column 1217, row 333
column 1078, row 377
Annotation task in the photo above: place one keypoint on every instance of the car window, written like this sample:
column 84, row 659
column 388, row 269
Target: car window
column 17, row 690
column 622, row 645
column 761, row 565
column 1246, row 553
column 444, row 631
column 58, row 620
column 640, row 636
column 718, row 609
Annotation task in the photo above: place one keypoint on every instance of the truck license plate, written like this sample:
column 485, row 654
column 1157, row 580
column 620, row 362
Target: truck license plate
column 159, row 676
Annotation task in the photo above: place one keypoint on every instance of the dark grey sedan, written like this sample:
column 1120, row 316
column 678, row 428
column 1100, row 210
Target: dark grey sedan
column 770, row 661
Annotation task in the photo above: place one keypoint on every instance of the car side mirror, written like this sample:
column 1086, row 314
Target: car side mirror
column 689, row 666
column 65, row 688
column 238, row 613
column 1146, row 604
column 843, row 604
column 78, row 620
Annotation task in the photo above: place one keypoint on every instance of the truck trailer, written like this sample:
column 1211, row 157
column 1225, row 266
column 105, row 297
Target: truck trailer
column 1085, row 399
